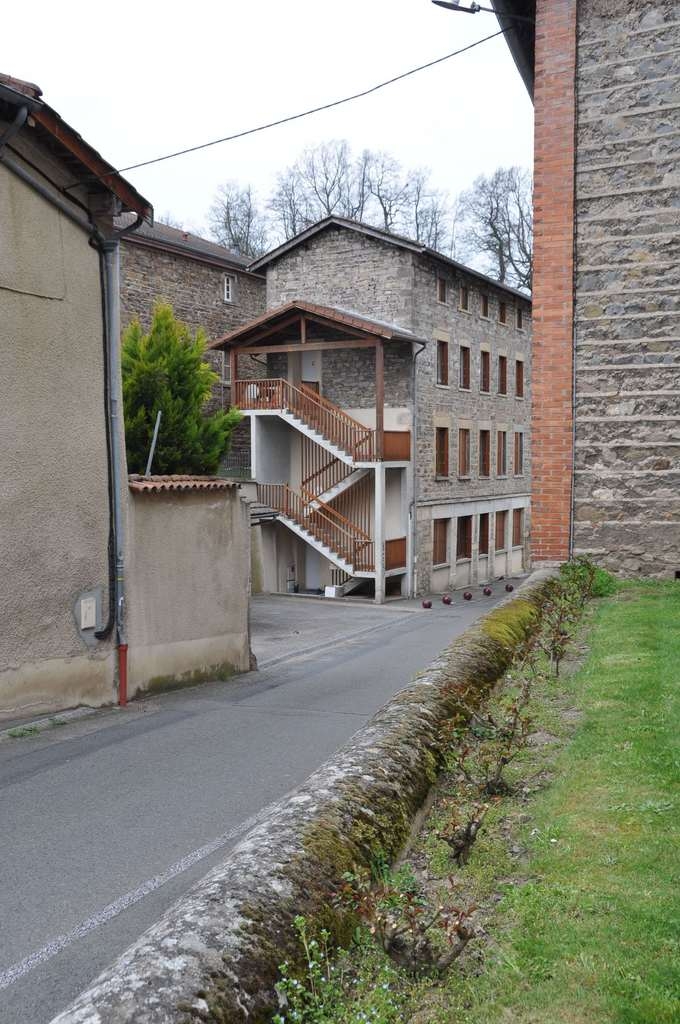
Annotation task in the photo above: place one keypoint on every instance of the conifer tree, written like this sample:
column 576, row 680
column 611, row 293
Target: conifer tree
column 164, row 370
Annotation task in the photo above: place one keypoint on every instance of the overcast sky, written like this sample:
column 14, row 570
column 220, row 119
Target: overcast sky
column 141, row 79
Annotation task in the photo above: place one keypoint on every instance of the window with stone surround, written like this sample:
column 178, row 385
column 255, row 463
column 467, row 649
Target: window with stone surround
column 484, row 306
column 464, row 537
column 229, row 287
column 442, row 362
column 485, row 453
column 519, row 453
column 464, row 452
column 517, row 527
column 485, row 371
column 464, row 298
column 440, row 541
column 501, row 520
column 519, row 378
column 464, row 376
column 502, row 453
column 502, row 312
column 520, row 319
column 484, row 533
column 502, row 375
column 441, row 289
column 441, row 451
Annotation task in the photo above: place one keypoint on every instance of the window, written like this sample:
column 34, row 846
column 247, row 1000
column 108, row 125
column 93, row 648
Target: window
column 442, row 362
column 484, row 452
column 465, row 368
column 520, row 319
column 519, row 453
column 502, row 454
column 464, row 298
column 502, row 375
column 484, row 371
column 442, row 451
column 484, row 533
column 517, row 527
column 463, row 452
column 229, row 287
column 501, row 519
column 441, row 289
column 464, row 537
column 502, row 312
column 440, row 541
column 484, row 306
column 519, row 378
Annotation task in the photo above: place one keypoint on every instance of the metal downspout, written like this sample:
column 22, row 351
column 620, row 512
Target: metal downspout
column 111, row 252
column 414, row 471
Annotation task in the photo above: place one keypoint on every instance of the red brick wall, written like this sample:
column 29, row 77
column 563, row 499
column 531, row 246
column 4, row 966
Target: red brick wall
column 552, row 418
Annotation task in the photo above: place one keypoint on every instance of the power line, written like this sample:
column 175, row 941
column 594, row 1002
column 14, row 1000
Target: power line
column 304, row 113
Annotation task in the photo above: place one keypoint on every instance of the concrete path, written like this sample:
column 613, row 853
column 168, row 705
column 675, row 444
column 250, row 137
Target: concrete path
column 108, row 819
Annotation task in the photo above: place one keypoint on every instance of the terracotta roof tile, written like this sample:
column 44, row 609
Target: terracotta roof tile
column 159, row 484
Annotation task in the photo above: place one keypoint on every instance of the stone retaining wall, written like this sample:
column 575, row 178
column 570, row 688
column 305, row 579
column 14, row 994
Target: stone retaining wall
column 214, row 956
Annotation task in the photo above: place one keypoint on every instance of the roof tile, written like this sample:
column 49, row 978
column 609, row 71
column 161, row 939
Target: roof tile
column 176, row 482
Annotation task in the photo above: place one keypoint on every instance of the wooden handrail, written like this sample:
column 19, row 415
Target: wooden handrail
column 317, row 412
column 328, row 526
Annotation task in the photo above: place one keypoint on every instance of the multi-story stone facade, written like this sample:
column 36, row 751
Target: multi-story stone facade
column 461, row 317
column 605, row 84
column 208, row 286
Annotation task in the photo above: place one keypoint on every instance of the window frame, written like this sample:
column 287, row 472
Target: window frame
column 484, row 536
column 485, row 365
column 229, row 285
column 502, row 374
column 464, row 453
column 484, row 453
column 437, row 526
column 519, row 318
column 463, row 538
column 501, row 449
column 518, row 453
column 518, row 527
column 519, row 378
column 484, row 302
column 442, row 364
column 503, row 512
column 464, row 293
column 442, row 289
column 442, row 465
column 464, row 367
column 502, row 312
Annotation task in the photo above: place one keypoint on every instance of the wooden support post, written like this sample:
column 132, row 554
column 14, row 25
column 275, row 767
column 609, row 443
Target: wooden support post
column 379, row 399
column 379, row 533
column 233, row 372
column 303, row 330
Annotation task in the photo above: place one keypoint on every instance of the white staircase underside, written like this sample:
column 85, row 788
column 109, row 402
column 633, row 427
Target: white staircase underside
column 333, row 492
column 314, row 435
column 332, row 556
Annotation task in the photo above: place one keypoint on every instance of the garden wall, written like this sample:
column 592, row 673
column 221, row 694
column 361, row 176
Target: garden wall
column 214, row 956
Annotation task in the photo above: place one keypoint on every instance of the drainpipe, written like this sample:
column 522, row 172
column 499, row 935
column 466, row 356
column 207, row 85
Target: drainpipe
column 109, row 249
column 414, row 470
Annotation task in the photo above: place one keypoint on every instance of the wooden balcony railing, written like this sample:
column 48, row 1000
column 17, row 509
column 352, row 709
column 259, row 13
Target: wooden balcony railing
column 321, row 471
column 326, row 524
column 318, row 413
column 395, row 553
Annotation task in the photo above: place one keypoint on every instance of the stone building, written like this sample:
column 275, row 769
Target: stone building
column 395, row 408
column 606, row 416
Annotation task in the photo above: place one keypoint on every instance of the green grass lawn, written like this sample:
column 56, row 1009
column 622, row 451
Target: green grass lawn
column 593, row 934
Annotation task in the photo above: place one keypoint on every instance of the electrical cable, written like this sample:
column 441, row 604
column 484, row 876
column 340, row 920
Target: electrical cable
column 296, row 117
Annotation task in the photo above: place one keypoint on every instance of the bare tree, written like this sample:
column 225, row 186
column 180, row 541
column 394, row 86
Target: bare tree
column 390, row 191
column 169, row 220
column 237, row 222
column 427, row 213
column 498, row 223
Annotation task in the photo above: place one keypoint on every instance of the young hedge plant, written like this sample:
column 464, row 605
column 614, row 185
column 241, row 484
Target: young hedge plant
column 164, row 370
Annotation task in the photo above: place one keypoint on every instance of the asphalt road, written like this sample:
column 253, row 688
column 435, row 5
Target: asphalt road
column 107, row 820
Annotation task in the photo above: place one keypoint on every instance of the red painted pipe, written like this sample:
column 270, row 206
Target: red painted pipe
column 122, row 674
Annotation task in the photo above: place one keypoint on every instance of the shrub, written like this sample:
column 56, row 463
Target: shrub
column 164, row 370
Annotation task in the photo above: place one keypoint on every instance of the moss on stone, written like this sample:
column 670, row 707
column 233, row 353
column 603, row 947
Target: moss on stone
column 162, row 684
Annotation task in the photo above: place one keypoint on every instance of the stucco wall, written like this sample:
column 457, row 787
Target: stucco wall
column 54, row 519
column 627, row 454
column 188, row 585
